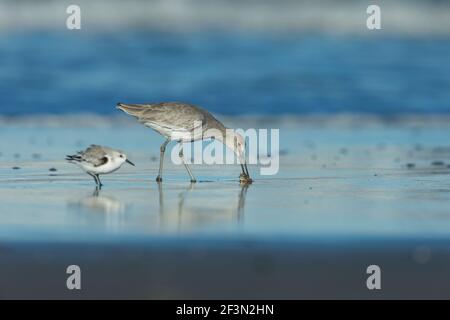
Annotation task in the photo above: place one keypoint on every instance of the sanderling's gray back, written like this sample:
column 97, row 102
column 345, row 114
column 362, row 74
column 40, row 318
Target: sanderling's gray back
column 181, row 122
column 97, row 160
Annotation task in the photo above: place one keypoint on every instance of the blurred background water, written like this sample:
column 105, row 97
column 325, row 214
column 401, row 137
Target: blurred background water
column 233, row 57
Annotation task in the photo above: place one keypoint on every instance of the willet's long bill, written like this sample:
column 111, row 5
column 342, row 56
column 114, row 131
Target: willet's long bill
column 97, row 160
column 181, row 122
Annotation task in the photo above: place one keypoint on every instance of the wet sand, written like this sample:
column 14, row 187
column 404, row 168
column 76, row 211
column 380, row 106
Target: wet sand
column 348, row 194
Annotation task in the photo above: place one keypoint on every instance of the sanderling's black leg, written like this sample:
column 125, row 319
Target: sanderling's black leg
column 96, row 179
column 99, row 183
column 93, row 176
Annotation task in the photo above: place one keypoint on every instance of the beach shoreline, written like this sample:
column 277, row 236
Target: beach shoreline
column 375, row 193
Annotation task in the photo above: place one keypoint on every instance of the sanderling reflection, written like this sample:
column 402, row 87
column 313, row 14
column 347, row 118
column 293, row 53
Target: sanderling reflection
column 97, row 160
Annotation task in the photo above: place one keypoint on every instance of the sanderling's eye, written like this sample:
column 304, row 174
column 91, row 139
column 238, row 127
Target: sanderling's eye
column 121, row 156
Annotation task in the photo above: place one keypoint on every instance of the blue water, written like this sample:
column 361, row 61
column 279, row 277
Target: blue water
column 229, row 73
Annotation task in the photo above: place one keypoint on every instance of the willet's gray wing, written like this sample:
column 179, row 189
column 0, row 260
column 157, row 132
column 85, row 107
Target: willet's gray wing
column 167, row 118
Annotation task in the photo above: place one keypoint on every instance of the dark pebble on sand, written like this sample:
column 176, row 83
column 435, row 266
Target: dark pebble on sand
column 15, row 168
column 410, row 165
column 343, row 151
column 52, row 169
column 438, row 163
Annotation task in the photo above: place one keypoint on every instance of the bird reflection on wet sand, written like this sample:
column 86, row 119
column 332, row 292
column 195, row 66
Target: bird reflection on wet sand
column 99, row 203
column 193, row 211
column 171, row 208
column 241, row 202
column 103, row 209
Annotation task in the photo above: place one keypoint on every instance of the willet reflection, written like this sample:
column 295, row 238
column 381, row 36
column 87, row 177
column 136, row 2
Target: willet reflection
column 171, row 208
column 241, row 202
column 194, row 209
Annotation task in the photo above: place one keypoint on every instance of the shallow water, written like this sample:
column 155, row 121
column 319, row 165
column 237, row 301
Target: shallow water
column 376, row 181
column 376, row 193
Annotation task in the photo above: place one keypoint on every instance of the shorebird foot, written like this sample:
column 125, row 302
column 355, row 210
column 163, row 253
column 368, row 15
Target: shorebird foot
column 158, row 179
column 245, row 179
column 193, row 181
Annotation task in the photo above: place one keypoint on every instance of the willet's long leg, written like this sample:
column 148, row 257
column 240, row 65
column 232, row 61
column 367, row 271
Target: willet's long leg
column 161, row 160
column 185, row 164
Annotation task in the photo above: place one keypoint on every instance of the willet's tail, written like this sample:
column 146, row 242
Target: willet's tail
column 131, row 109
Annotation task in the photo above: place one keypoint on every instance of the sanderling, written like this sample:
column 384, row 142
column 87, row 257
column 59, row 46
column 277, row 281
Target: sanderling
column 97, row 160
column 180, row 122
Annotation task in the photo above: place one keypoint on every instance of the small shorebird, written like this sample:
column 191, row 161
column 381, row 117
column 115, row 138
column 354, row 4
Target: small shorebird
column 181, row 122
column 97, row 160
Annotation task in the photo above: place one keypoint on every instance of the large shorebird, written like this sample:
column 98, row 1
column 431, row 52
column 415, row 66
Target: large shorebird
column 184, row 122
column 97, row 160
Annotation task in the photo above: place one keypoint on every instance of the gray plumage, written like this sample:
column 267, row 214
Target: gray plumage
column 174, row 119
column 181, row 122
column 96, row 160
column 94, row 154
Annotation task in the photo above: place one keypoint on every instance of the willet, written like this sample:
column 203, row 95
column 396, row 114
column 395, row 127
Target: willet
column 184, row 122
column 97, row 160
